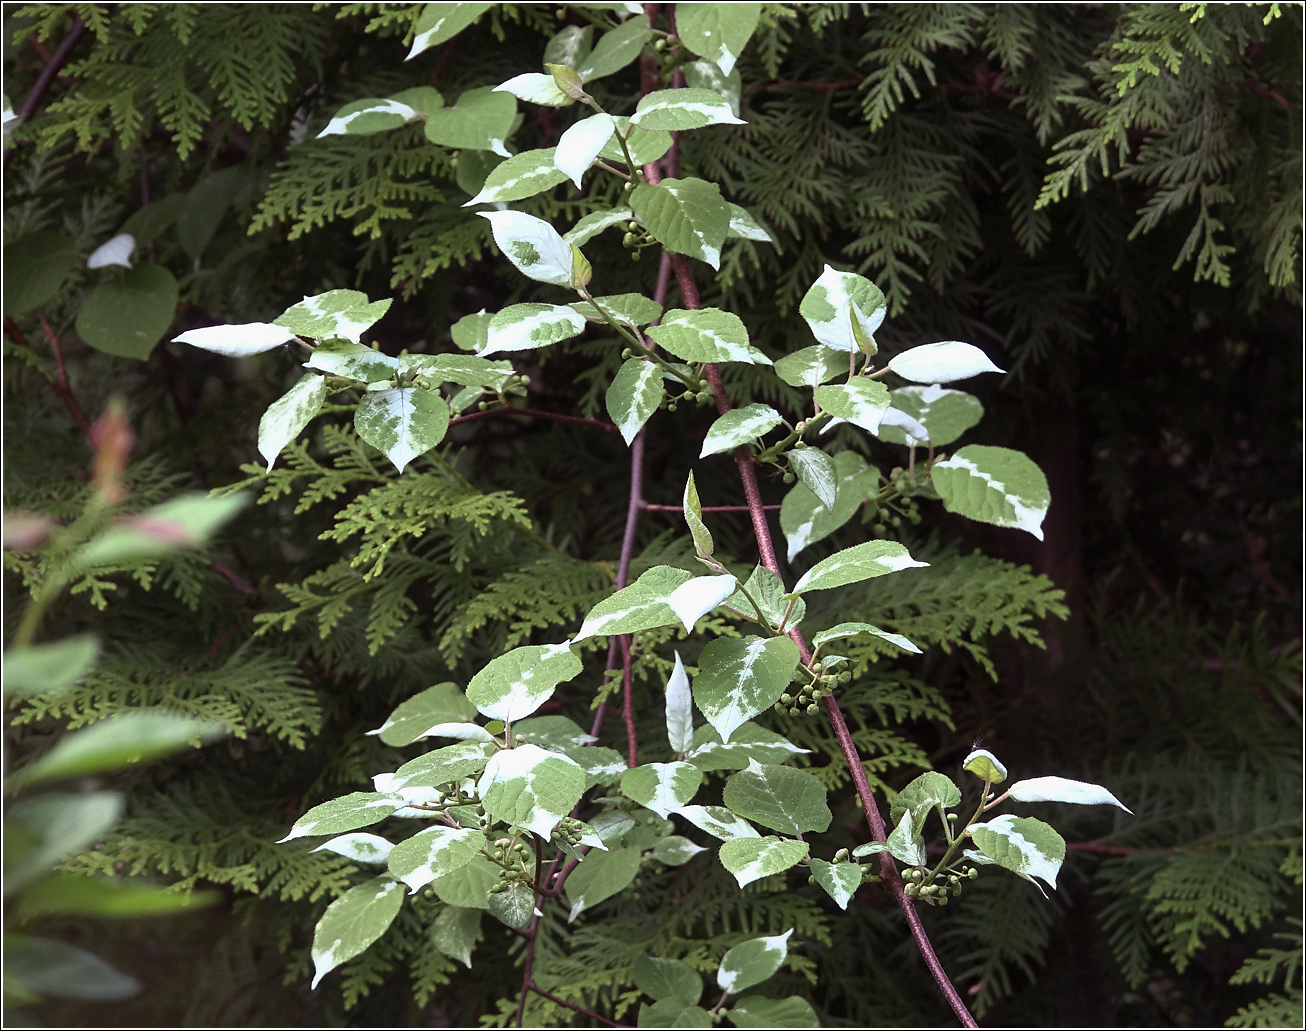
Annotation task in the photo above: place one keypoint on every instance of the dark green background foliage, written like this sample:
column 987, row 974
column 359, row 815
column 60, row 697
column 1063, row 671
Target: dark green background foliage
column 1107, row 199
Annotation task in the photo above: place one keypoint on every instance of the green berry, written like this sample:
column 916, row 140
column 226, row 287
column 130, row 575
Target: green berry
column 634, row 255
column 787, row 698
column 972, row 873
column 813, row 709
column 789, row 477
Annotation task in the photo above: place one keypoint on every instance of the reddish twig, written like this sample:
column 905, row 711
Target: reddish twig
column 231, row 576
column 59, row 384
column 1256, row 554
column 572, row 1006
column 48, row 75
column 707, row 508
column 535, row 413
column 874, row 820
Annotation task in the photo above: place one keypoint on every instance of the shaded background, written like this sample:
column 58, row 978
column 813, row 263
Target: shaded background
column 1151, row 329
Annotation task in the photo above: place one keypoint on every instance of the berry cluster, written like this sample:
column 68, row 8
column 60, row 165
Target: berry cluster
column 935, row 894
column 568, row 832
column 515, row 857
column 808, row 696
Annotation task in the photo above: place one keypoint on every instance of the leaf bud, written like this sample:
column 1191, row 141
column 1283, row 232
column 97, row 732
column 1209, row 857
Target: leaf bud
column 811, row 880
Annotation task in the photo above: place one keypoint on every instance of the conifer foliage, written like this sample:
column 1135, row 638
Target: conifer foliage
column 540, row 321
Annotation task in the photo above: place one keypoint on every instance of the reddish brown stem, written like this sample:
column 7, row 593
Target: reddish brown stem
column 231, row 576
column 59, row 384
column 535, row 413
column 707, row 508
column 573, row 1007
column 875, row 822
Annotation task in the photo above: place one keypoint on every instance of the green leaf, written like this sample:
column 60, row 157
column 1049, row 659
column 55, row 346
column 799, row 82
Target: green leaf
column 443, row 703
column 641, row 606
column 811, row 366
column 871, row 848
column 667, row 979
column 839, row 880
column 474, row 167
column 530, row 788
column 36, row 267
column 353, row 361
column 601, row 876
column 852, row 565
column 740, row 678
column 287, row 416
column 353, row 922
column 50, row 668
column 525, row 327
column 434, row 852
column 145, row 224
column 372, row 115
column 671, row 1013
column 694, row 518
column 805, row 520
column 679, row 710
column 570, row 46
column 680, row 109
column 984, row 764
column 749, row 742
column 616, row 48
column 425, row 100
column 675, row 850
column 756, row 1011
column 686, row 216
column 124, row 739
column 585, row 230
column 994, row 485
column 522, row 175
column 753, row 961
column 403, row 422
column 440, row 22
column 535, row 88
column 817, row 472
column 58, row 970
column 556, row 733
column 778, row 797
column 839, row 301
column 1059, row 789
column 739, row 426
column 518, row 682
column 347, row 813
column 580, row 145
column 662, row 787
column 1023, row 845
column 843, row 630
column 514, row 906
column 441, row 766
column 704, row 75
column 206, row 206
column 717, row 32
column 942, row 362
column 944, row 414
column 632, row 309
column 470, row 331
column 78, row 895
column 465, row 369
column 928, row 790
column 635, row 394
column 534, row 247
column 905, row 843
column 359, row 846
column 768, row 591
column 645, row 145
column 706, row 335
column 718, row 821
column 861, row 402
column 128, row 314
column 455, row 932
column 468, row 887
column 334, row 315
column 47, row 829
column 186, row 521
column 479, row 120
column 744, row 227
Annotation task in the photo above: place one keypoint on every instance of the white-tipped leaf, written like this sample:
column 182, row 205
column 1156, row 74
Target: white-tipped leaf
column 237, row 341
column 580, row 145
column 680, row 710
column 518, row 682
column 531, row 788
column 115, row 251
column 353, row 922
column 837, row 302
column 532, row 245
column 525, row 327
column 994, row 485
column 287, row 416
column 699, row 596
column 1059, row 789
column 941, row 363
